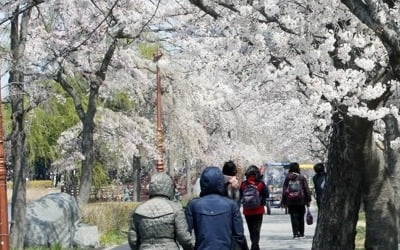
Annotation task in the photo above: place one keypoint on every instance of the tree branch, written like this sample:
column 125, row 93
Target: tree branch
column 67, row 51
column 70, row 90
column 29, row 6
column 228, row 6
column 107, row 60
column 208, row 10
column 367, row 13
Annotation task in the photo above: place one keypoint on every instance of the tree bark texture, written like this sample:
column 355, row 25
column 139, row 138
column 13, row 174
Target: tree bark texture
column 378, row 198
column 87, row 147
column 18, row 36
column 338, row 215
column 136, row 173
column 87, row 143
column 357, row 172
column 392, row 159
column 381, row 180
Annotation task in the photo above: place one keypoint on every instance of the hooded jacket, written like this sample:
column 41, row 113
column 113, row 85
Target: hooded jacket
column 215, row 218
column 159, row 223
column 306, row 190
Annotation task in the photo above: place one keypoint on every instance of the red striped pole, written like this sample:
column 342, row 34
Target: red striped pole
column 4, row 240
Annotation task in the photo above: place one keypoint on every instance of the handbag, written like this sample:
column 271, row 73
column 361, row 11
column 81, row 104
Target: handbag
column 309, row 217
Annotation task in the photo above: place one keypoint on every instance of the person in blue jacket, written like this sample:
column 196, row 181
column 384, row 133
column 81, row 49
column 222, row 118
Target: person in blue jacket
column 215, row 219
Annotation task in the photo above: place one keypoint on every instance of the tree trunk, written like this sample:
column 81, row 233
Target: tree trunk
column 338, row 215
column 87, row 119
column 392, row 159
column 18, row 35
column 356, row 169
column 18, row 203
column 379, row 204
column 136, row 172
column 87, row 145
column 189, row 190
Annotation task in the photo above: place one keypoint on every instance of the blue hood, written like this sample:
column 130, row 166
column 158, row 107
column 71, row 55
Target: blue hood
column 212, row 181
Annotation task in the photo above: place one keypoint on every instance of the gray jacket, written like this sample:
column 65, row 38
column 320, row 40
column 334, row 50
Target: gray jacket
column 159, row 223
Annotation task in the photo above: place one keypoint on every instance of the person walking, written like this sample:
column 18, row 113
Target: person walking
column 231, row 181
column 296, row 195
column 214, row 218
column 159, row 223
column 254, row 194
column 232, row 188
column 319, row 182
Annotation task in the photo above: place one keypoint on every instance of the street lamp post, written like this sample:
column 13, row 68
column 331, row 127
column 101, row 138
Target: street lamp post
column 160, row 148
column 4, row 240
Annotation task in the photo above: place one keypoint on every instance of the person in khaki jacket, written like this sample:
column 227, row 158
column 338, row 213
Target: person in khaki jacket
column 159, row 223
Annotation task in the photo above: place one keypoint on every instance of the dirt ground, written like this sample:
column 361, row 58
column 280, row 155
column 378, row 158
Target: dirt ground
column 34, row 193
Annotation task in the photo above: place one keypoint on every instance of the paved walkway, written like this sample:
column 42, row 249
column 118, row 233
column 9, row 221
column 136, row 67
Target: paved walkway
column 276, row 233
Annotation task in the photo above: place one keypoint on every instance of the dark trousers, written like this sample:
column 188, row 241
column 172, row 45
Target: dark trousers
column 254, row 223
column 297, row 219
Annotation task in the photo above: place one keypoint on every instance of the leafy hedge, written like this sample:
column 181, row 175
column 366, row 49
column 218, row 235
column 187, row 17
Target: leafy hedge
column 111, row 218
column 35, row 184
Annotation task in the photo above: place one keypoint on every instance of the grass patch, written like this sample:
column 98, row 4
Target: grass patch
column 34, row 184
column 113, row 237
column 55, row 247
column 361, row 228
column 112, row 220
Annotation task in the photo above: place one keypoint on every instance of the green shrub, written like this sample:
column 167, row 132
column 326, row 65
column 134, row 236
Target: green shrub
column 35, row 184
column 113, row 237
column 54, row 247
column 111, row 218
column 147, row 50
column 119, row 102
column 100, row 177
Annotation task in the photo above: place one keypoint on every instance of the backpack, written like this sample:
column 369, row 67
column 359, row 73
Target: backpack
column 294, row 191
column 251, row 197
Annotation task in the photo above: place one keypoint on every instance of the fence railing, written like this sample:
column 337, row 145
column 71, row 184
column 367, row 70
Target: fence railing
column 107, row 193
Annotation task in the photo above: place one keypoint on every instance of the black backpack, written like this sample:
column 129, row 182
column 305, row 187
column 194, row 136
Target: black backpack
column 251, row 196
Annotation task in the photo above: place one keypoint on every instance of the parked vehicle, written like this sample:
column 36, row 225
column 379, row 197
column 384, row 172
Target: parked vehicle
column 274, row 177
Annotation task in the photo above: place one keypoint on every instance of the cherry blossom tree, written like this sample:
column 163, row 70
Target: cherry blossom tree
column 16, row 16
column 250, row 81
column 83, row 37
column 334, row 58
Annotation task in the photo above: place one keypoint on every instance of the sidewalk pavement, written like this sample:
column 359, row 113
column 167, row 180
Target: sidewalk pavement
column 276, row 233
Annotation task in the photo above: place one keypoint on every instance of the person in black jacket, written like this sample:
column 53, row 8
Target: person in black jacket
column 319, row 180
column 296, row 195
